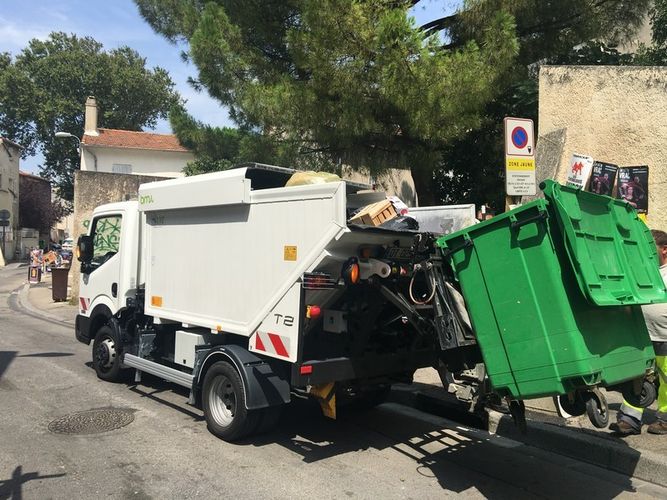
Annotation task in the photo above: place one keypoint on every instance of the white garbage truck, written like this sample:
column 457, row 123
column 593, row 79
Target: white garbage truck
column 248, row 293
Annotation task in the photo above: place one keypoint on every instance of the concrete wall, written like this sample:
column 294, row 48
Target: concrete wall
column 92, row 189
column 612, row 113
column 9, row 196
column 142, row 161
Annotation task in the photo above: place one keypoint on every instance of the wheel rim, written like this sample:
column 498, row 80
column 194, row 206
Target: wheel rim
column 222, row 400
column 105, row 355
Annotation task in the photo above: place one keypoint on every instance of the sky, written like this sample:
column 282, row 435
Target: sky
column 115, row 23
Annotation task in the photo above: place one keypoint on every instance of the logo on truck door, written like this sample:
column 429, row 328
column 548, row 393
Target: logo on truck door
column 145, row 199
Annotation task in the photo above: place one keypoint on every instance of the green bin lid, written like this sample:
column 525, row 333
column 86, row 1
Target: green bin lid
column 610, row 248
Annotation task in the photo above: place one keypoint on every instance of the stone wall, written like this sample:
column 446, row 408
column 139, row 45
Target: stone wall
column 616, row 114
column 92, row 189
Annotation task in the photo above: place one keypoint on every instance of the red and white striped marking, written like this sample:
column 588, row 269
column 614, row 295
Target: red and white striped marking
column 85, row 304
column 272, row 343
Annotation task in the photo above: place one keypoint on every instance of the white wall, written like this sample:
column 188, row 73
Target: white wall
column 142, row 161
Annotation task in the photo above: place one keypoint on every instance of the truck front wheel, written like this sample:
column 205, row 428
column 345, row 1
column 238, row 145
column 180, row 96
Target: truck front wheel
column 223, row 400
column 106, row 355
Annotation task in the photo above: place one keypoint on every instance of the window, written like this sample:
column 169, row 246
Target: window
column 121, row 168
column 106, row 238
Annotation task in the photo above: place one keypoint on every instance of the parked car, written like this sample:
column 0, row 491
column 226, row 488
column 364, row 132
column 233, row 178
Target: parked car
column 68, row 244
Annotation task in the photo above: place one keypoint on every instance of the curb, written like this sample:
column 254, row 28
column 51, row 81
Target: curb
column 19, row 302
column 602, row 451
column 606, row 452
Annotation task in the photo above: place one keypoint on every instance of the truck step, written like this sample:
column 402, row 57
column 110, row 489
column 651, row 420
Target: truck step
column 164, row 372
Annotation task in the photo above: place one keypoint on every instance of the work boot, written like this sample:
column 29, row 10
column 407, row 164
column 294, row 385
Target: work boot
column 624, row 428
column 658, row 427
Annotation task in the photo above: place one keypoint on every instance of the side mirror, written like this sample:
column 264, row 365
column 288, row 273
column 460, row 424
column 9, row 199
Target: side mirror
column 84, row 249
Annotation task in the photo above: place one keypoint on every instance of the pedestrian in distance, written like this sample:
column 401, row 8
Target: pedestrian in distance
column 629, row 418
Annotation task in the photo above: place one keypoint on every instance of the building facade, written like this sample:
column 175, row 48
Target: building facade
column 35, row 210
column 10, row 156
column 128, row 152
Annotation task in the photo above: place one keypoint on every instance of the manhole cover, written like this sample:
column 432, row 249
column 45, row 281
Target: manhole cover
column 92, row 421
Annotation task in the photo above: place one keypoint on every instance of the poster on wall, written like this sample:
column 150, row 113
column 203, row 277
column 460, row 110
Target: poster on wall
column 579, row 171
column 602, row 178
column 633, row 187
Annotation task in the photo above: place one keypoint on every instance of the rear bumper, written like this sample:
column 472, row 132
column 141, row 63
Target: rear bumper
column 82, row 329
column 341, row 369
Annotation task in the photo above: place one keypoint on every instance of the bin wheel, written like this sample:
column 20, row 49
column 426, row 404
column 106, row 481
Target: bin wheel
column 648, row 395
column 570, row 405
column 597, row 408
column 518, row 412
column 223, row 401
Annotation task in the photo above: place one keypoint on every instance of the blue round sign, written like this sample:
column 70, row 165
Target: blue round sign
column 519, row 137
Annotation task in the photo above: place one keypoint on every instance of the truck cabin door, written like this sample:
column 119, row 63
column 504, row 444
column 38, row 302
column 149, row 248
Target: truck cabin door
column 101, row 277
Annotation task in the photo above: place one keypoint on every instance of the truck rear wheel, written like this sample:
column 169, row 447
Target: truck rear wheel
column 223, row 400
column 106, row 355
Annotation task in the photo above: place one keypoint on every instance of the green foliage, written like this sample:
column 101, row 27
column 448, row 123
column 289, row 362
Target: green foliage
column 36, row 210
column 43, row 90
column 339, row 80
column 357, row 82
column 220, row 148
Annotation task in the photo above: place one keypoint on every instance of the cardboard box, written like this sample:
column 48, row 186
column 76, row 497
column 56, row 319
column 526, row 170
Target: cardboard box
column 374, row 214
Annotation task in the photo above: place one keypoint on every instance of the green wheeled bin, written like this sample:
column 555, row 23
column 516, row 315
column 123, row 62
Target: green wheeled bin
column 554, row 289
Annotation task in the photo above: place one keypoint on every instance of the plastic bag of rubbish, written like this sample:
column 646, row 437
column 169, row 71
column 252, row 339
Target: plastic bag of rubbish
column 401, row 223
column 311, row 177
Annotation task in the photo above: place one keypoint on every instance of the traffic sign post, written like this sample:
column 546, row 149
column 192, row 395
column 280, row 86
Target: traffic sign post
column 4, row 222
column 519, row 157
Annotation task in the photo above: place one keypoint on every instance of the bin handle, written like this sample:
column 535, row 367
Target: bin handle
column 467, row 242
column 541, row 215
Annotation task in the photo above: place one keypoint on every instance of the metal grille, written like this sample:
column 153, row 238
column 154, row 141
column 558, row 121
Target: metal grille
column 92, row 421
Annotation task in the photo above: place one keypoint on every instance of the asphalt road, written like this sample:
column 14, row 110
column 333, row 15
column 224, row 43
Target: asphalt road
column 166, row 452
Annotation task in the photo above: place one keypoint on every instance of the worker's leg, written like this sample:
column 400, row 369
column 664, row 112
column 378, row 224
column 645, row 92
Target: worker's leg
column 628, row 419
column 660, row 426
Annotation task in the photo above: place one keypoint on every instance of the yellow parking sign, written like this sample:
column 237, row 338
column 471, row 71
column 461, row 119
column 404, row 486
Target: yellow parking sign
column 520, row 176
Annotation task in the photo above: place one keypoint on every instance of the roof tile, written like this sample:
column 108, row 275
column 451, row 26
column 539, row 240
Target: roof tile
column 112, row 138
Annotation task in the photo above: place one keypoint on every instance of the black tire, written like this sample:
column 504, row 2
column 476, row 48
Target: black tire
column 223, row 401
column 106, row 355
column 597, row 409
column 648, row 395
column 574, row 408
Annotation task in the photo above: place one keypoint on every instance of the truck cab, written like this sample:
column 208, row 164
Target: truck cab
column 109, row 276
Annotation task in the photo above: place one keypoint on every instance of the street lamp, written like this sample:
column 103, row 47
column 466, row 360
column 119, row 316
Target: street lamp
column 67, row 135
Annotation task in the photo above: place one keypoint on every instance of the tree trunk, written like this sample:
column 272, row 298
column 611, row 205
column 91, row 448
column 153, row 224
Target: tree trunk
column 424, row 185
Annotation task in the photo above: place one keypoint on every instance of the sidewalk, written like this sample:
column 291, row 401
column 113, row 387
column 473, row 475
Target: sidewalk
column 37, row 299
column 643, row 456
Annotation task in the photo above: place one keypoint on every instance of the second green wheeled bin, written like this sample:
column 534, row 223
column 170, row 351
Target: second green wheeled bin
column 554, row 288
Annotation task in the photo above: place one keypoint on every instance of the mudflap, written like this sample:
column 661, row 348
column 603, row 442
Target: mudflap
column 326, row 396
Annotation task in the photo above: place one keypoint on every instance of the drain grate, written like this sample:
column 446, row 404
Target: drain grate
column 92, row 421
